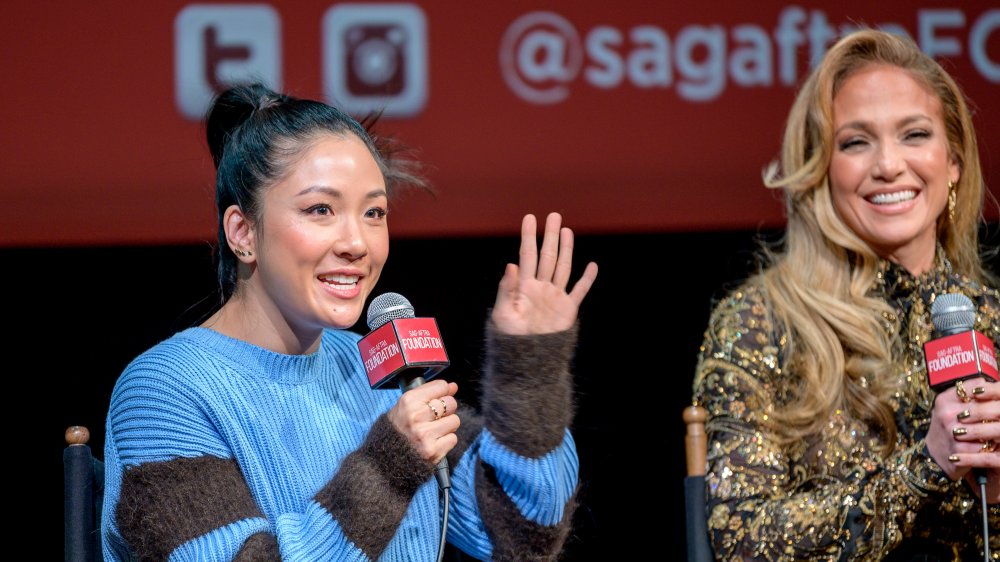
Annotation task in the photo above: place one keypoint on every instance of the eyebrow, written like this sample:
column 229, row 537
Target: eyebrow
column 863, row 125
column 373, row 194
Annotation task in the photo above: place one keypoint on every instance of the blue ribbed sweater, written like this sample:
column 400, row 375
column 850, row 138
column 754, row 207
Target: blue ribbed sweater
column 289, row 421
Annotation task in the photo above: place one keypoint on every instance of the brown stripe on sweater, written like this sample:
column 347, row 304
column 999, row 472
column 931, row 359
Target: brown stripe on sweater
column 527, row 389
column 165, row 504
column 374, row 486
column 471, row 426
column 513, row 536
column 258, row 548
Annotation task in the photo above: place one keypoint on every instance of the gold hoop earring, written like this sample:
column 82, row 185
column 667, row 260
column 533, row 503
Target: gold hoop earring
column 951, row 201
column 241, row 253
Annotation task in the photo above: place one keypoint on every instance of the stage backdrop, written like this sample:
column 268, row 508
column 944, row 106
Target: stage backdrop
column 626, row 116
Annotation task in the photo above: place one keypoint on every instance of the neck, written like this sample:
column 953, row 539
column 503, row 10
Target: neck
column 244, row 319
column 917, row 258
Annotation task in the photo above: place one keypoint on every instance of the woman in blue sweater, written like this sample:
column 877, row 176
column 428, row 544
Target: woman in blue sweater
column 256, row 436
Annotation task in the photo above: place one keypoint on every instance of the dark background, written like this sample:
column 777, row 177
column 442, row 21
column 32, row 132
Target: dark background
column 80, row 314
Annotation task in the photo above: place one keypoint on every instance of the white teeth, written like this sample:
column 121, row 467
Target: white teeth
column 340, row 279
column 895, row 197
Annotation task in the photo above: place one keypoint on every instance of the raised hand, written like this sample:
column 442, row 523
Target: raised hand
column 532, row 297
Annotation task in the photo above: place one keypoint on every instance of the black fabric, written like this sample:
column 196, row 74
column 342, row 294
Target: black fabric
column 698, row 547
column 83, row 493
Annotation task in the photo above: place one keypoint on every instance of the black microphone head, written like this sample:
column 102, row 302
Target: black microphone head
column 386, row 307
column 952, row 313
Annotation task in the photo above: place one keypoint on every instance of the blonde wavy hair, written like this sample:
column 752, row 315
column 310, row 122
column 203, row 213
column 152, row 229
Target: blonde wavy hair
column 819, row 284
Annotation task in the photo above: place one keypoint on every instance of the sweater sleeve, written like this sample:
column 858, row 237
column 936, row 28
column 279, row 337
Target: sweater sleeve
column 176, row 490
column 515, row 483
column 767, row 501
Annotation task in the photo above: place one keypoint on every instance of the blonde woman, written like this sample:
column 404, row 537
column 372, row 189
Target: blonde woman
column 825, row 440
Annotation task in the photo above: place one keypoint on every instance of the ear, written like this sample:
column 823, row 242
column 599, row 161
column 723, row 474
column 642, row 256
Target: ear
column 954, row 170
column 239, row 233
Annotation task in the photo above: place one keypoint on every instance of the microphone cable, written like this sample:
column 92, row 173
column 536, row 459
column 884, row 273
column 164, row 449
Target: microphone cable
column 441, row 473
column 446, row 493
column 981, row 480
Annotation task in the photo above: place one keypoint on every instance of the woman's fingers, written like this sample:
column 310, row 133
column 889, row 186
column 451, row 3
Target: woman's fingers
column 443, row 445
column 584, row 283
column 427, row 416
column 528, row 262
column 973, row 411
column 564, row 263
column 431, row 389
column 550, row 248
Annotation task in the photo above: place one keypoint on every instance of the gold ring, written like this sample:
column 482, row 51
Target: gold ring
column 437, row 415
column 989, row 446
column 444, row 405
column 960, row 391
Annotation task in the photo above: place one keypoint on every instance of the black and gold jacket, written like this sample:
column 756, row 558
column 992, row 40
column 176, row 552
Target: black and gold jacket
column 834, row 496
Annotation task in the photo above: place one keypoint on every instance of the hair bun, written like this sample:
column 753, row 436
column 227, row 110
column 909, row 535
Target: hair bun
column 233, row 107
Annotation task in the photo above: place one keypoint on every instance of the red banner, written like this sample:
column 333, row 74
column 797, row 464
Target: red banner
column 626, row 116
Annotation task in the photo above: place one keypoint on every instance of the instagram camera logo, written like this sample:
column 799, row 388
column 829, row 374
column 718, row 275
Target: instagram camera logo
column 216, row 45
column 375, row 58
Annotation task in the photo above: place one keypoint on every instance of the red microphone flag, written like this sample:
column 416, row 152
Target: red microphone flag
column 959, row 356
column 402, row 344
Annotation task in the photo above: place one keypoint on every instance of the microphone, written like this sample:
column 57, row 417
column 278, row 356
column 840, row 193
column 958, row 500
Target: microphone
column 404, row 349
column 958, row 352
column 400, row 347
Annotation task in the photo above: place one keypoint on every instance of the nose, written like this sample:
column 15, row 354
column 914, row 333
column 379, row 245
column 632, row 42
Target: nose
column 889, row 162
column 349, row 240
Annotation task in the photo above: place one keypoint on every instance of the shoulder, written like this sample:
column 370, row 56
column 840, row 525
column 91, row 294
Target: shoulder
column 741, row 319
column 170, row 366
column 742, row 345
column 169, row 379
column 177, row 352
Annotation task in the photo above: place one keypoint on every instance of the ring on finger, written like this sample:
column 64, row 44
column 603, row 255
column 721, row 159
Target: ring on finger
column 989, row 446
column 437, row 415
column 444, row 406
column 960, row 391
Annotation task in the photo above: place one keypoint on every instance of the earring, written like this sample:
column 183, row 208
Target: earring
column 951, row 201
column 241, row 253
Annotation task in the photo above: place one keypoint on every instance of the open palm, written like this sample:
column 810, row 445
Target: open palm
column 532, row 297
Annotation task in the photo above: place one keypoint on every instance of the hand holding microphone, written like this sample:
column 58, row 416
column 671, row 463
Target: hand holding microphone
column 426, row 416
column 404, row 350
column 962, row 368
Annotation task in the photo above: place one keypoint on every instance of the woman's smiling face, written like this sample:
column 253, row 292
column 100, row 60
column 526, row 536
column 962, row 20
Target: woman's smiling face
column 891, row 163
column 323, row 238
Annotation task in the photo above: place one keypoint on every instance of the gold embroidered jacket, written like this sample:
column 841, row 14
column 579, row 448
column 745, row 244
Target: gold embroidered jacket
column 834, row 497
